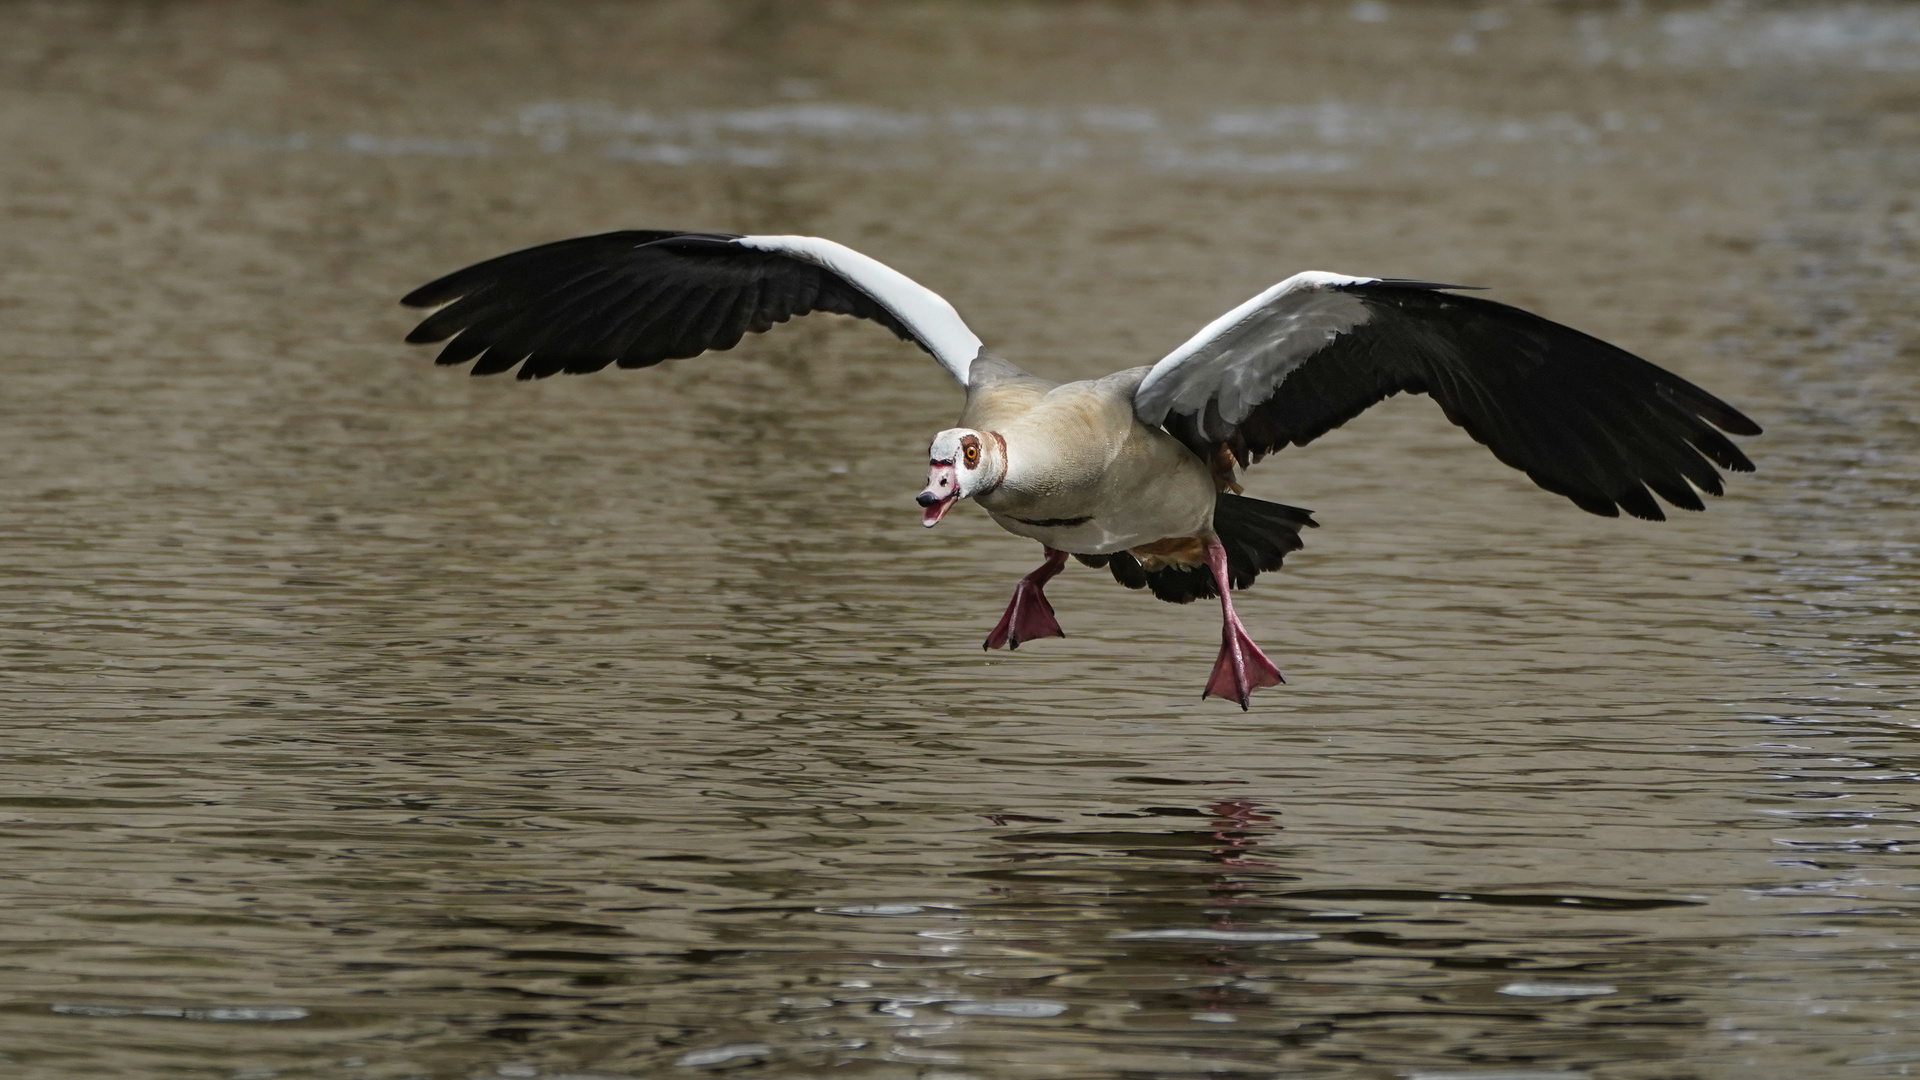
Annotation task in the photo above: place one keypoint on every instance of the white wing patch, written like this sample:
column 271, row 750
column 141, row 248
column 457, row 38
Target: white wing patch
column 924, row 311
column 1242, row 357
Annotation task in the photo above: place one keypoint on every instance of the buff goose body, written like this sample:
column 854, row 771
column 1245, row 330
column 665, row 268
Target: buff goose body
column 1134, row 472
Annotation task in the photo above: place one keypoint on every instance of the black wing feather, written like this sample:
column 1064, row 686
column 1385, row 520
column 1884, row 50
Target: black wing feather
column 634, row 298
column 518, row 264
column 1582, row 418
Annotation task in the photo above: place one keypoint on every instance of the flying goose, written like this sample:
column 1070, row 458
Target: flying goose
column 1134, row 472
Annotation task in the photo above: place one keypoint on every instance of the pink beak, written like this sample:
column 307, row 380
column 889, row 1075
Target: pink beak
column 941, row 492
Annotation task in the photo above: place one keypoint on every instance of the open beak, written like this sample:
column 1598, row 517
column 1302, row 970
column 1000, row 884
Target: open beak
column 941, row 492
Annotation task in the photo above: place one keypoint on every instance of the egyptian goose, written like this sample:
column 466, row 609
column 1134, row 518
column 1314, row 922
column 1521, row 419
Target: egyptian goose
column 1135, row 471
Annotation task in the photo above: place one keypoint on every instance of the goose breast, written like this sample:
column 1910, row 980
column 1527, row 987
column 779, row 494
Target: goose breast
column 1084, row 475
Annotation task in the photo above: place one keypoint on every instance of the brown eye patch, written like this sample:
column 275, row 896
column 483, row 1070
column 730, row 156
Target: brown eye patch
column 970, row 450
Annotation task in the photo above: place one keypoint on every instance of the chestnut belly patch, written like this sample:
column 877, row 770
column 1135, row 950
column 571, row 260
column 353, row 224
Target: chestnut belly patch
column 1173, row 551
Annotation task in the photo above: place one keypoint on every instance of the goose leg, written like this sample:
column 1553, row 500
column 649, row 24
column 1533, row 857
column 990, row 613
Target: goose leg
column 1242, row 668
column 1029, row 616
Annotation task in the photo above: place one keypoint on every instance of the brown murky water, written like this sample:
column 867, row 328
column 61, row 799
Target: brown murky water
column 365, row 720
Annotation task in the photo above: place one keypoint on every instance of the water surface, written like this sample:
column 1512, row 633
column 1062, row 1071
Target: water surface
column 366, row 720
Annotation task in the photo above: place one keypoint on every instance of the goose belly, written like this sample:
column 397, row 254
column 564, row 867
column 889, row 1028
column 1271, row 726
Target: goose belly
column 1108, row 533
column 1136, row 500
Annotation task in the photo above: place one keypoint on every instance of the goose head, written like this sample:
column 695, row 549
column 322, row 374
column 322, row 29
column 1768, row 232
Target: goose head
column 961, row 464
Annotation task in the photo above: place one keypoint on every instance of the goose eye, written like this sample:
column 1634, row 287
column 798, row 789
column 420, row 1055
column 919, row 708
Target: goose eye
column 973, row 455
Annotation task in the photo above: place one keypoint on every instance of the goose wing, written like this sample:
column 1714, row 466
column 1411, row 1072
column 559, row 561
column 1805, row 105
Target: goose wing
column 635, row 298
column 1580, row 417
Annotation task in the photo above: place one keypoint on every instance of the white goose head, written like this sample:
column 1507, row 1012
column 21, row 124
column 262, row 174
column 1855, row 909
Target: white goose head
column 961, row 464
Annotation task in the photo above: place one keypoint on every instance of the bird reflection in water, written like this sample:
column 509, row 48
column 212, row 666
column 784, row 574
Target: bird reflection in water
column 1238, row 824
column 1187, row 913
column 1229, row 847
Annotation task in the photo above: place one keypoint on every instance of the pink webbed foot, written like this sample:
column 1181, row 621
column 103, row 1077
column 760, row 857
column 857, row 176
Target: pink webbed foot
column 1029, row 616
column 1241, row 668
